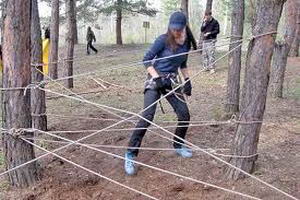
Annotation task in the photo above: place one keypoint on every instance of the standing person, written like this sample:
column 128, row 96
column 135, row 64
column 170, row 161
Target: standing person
column 47, row 33
column 90, row 38
column 210, row 29
column 161, row 75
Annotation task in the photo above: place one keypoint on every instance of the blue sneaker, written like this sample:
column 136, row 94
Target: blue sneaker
column 184, row 152
column 129, row 165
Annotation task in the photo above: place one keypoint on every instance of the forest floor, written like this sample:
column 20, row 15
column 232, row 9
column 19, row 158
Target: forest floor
column 278, row 161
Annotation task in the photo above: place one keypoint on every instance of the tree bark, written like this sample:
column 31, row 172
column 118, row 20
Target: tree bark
column 294, row 51
column 119, row 23
column 38, row 100
column 253, row 101
column 278, row 69
column 54, row 37
column 3, row 13
column 70, row 8
column 282, row 49
column 16, row 104
column 209, row 5
column 233, row 81
column 185, row 8
column 75, row 25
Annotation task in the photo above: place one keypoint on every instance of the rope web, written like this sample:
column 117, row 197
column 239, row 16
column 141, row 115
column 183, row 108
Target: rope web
column 120, row 119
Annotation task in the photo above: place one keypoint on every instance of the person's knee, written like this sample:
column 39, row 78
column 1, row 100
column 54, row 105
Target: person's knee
column 145, row 121
column 184, row 116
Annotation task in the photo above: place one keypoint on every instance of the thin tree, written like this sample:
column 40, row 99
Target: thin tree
column 255, row 87
column 121, row 7
column 75, row 24
column 70, row 10
column 185, row 8
column 54, row 37
column 282, row 48
column 16, row 103
column 209, row 6
column 294, row 51
column 38, row 100
column 233, row 80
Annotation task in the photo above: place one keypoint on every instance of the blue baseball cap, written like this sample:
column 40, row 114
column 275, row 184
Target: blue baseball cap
column 177, row 21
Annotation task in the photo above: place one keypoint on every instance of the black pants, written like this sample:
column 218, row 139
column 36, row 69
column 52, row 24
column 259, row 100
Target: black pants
column 90, row 45
column 180, row 108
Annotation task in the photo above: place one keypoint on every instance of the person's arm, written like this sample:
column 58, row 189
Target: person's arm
column 191, row 37
column 216, row 29
column 94, row 37
column 158, row 46
column 185, row 73
column 187, row 87
column 204, row 24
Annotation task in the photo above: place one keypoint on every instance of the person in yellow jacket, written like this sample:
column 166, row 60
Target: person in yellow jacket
column 46, row 44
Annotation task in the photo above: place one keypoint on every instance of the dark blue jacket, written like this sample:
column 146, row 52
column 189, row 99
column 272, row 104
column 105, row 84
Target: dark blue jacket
column 160, row 49
column 211, row 26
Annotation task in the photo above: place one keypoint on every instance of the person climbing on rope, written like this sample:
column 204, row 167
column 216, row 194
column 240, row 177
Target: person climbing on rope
column 90, row 37
column 210, row 29
column 162, row 75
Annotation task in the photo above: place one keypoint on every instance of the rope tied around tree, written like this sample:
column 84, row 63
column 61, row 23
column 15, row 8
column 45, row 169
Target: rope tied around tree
column 17, row 132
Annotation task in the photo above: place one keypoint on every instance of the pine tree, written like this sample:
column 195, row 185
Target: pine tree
column 125, row 7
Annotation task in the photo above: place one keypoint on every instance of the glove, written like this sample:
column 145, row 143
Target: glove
column 187, row 88
column 159, row 83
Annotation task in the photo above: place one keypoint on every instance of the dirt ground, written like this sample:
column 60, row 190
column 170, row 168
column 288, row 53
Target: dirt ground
column 278, row 161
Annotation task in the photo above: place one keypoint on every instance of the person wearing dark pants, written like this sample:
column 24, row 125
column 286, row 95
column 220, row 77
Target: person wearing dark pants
column 210, row 29
column 90, row 37
column 162, row 77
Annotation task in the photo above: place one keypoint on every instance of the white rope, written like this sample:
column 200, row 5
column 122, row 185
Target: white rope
column 132, row 64
column 214, row 151
column 83, row 58
column 195, row 145
column 90, row 171
column 156, row 168
column 191, row 144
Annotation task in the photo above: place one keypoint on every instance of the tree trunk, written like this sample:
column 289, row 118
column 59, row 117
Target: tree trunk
column 278, row 69
column 185, row 8
column 294, row 51
column 16, row 104
column 233, row 81
column 209, row 4
column 3, row 13
column 68, row 68
column 38, row 100
column 54, row 37
column 75, row 25
column 255, row 87
column 119, row 23
column 282, row 49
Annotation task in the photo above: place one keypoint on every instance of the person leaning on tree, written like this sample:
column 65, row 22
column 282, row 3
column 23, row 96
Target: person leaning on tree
column 162, row 78
column 90, row 38
column 210, row 29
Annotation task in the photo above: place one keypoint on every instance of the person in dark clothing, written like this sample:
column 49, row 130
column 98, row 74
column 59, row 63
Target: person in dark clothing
column 90, row 38
column 162, row 77
column 210, row 29
column 47, row 33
